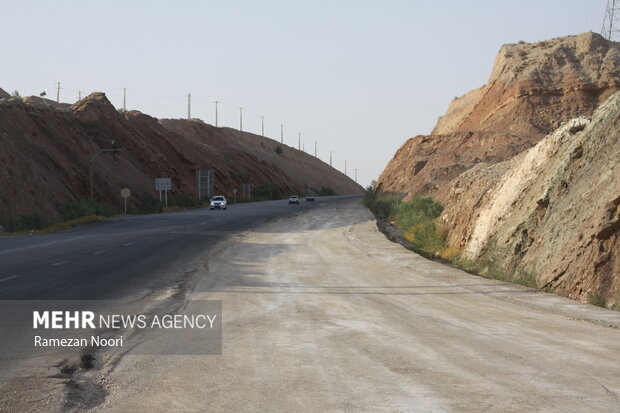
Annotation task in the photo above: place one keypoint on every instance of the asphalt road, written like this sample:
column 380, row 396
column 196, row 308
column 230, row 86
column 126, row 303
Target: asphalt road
column 120, row 257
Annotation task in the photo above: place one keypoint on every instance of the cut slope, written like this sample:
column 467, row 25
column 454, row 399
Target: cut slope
column 47, row 152
column 533, row 88
column 552, row 211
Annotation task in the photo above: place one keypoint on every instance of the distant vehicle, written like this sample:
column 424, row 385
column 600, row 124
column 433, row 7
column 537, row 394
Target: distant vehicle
column 309, row 197
column 218, row 202
column 293, row 199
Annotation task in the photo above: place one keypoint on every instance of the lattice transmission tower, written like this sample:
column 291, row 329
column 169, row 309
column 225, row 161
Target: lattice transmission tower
column 611, row 22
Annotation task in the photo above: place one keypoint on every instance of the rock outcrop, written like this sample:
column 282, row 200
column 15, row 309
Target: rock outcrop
column 552, row 211
column 47, row 151
column 532, row 89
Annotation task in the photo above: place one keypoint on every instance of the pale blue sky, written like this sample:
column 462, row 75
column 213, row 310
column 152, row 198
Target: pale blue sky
column 360, row 77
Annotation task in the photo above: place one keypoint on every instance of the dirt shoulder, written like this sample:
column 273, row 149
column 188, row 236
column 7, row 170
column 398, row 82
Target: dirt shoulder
column 323, row 313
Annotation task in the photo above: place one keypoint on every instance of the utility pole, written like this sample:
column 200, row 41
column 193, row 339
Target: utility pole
column 330, row 158
column 299, row 141
column 315, row 148
column 241, row 119
column 303, row 147
column 610, row 21
column 355, row 174
column 216, row 102
column 345, row 167
column 189, row 106
column 281, row 133
column 124, row 99
column 58, row 92
column 262, row 126
column 79, row 95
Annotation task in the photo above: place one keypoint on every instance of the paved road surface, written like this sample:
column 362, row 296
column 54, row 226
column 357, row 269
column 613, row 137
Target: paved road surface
column 121, row 256
column 322, row 313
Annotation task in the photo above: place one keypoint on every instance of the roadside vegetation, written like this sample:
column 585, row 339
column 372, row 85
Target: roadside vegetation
column 417, row 219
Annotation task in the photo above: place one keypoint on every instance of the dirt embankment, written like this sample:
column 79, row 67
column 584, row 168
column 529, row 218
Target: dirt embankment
column 535, row 206
column 532, row 89
column 47, row 150
column 552, row 211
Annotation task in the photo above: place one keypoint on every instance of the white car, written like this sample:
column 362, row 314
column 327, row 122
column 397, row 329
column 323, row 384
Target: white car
column 218, row 202
column 293, row 199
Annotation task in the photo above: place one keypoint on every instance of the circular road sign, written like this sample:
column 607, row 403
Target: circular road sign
column 125, row 193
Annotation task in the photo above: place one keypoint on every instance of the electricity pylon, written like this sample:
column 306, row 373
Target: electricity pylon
column 611, row 22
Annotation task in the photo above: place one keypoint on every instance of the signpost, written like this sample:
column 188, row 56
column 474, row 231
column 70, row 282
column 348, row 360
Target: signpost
column 165, row 185
column 125, row 193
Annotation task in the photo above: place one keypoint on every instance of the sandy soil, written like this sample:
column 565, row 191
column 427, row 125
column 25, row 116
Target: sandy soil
column 322, row 313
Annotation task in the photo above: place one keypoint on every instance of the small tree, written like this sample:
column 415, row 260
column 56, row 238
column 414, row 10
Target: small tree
column 278, row 150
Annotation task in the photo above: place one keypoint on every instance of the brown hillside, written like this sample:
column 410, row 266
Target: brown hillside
column 47, row 150
column 552, row 211
column 532, row 89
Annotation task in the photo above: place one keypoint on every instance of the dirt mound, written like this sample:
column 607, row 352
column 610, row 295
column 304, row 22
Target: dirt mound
column 532, row 89
column 48, row 150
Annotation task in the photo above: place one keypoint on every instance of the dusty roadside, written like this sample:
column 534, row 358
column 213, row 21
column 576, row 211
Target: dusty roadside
column 323, row 313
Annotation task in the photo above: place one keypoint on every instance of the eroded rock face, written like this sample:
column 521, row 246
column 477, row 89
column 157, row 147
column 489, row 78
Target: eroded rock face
column 47, row 148
column 532, row 89
column 552, row 211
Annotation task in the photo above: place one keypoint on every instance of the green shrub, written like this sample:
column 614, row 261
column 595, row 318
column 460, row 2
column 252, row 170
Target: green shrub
column 83, row 208
column 278, row 150
column 417, row 211
column 268, row 190
column 596, row 299
column 426, row 239
column 184, row 201
column 24, row 222
column 148, row 204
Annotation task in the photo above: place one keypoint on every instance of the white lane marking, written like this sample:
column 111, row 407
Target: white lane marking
column 45, row 244
column 10, row 277
column 59, row 263
column 129, row 243
column 99, row 252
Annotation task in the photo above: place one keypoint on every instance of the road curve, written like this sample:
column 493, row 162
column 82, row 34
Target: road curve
column 322, row 313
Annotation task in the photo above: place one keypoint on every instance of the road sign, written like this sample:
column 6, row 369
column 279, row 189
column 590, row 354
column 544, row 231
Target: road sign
column 163, row 184
column 125, row 193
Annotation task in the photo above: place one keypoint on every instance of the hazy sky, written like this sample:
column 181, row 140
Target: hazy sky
column 359, row 77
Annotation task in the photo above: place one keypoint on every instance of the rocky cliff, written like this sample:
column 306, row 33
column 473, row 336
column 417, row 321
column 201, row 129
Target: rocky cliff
column 47, row 150
column 532, row 89
column 552, row 211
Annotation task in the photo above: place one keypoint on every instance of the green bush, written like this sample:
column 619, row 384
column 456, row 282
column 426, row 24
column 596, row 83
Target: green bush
column 148, row 204
column 83, row 208
column 426, row 239
column 24, row 222
column 417, row 211
column 596, row 299
column 268, row 190
column 184, row 201
column 278, row 150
